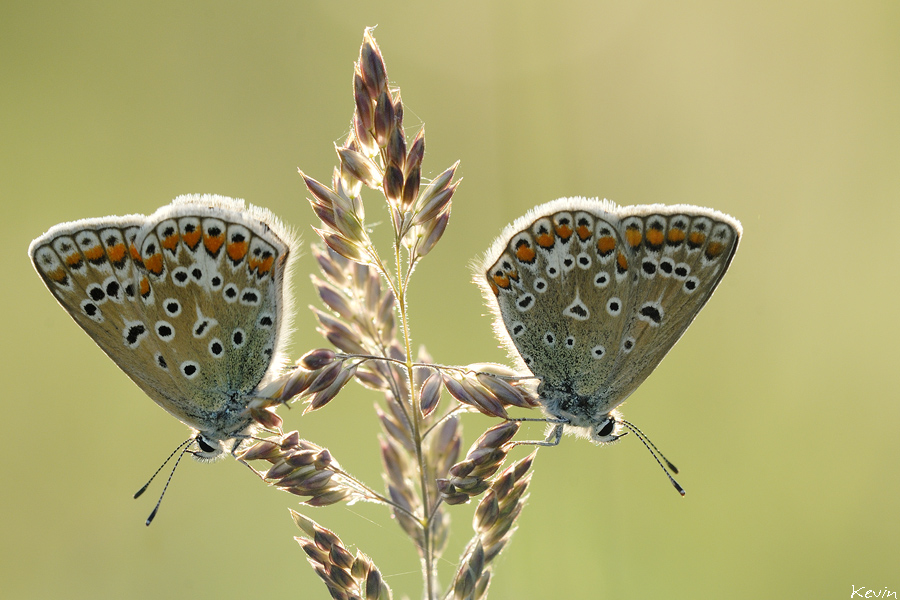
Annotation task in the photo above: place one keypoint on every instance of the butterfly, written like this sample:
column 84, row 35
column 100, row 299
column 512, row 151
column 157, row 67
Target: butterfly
column 189, row 302
column 590, row 297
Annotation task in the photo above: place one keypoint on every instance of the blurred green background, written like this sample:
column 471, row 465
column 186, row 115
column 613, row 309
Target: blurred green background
column 780, row 405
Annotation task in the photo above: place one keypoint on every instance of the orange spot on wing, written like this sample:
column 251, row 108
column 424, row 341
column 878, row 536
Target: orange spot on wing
column 714, row 249
column 145, row 287
column 606, row 244
column 545, row 240
column 493, row 286
column 213, row 243
column 237, row 251
column 135, row 255
column 253, row 262
column 501, row 281
column 525, row 253
column 170, row 242
column 633, row 237
column 675, row 236
column 654, row 237
column 94, row 254
column 584, row 232
column 191, row 238
column 116, row 253
column 696, row 238
column 621, row 263
column 265, row 265
column 73, row 260
column 58, row 275
column 154, row 263
column 564, row 231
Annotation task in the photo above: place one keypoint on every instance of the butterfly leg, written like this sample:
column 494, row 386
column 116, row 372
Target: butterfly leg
column 539, row 420
column 552, row 439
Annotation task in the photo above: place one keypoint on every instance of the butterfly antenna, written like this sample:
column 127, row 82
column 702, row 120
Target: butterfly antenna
column 651, row 448
column 634, row 428
column 182, row 447
column 165, row 462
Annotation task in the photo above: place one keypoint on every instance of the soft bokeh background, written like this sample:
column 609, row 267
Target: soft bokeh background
column 780, row 404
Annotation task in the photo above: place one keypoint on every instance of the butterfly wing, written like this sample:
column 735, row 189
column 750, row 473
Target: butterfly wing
column 86, row 265
column 543, row 284
column 677, row 255
column 215, row 309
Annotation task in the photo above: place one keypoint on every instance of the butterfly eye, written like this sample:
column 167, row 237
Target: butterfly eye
column 605, row 429
column 204, row 446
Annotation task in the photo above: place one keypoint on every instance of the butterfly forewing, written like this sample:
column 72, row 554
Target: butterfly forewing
column 85, row 265
column 677, row 260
